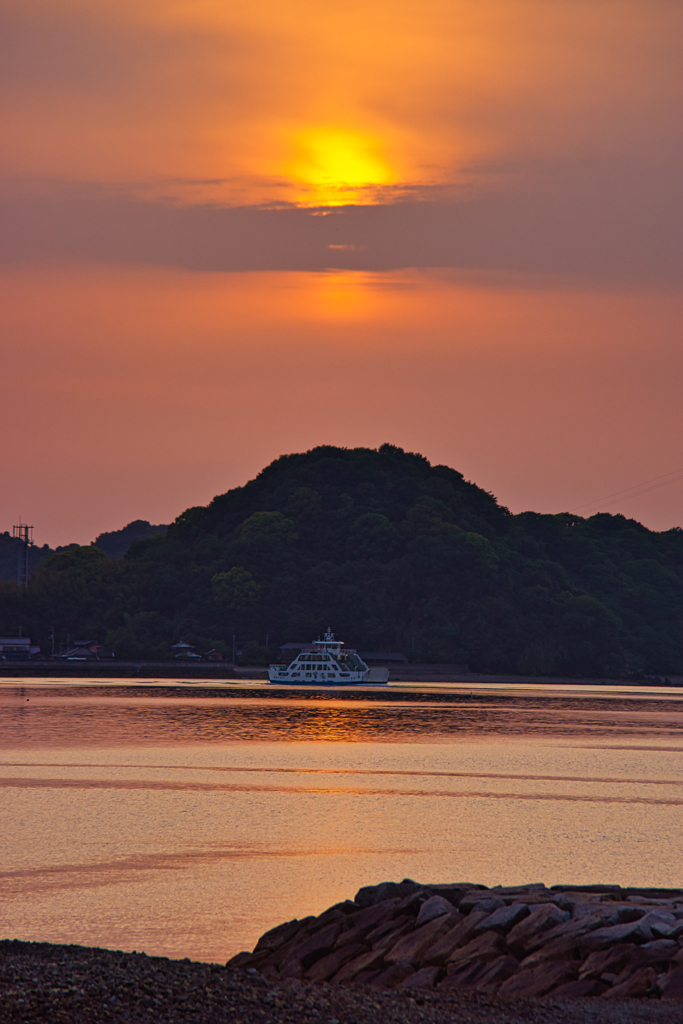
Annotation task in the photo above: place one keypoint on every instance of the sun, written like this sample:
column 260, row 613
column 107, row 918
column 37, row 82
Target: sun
column 333, row 166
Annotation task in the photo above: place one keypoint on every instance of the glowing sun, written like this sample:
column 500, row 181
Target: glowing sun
column 333, row 167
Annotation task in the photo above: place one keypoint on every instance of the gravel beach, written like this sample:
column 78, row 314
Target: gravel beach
column 54, row 984
column 399, row 953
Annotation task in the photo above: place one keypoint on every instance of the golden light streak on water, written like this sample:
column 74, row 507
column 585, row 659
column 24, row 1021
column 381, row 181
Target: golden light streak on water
column 184, row 820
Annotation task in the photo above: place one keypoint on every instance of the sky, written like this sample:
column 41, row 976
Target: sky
column 231, row 231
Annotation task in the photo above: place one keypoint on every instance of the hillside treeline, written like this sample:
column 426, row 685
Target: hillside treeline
column 114, row 544
column 394, row 554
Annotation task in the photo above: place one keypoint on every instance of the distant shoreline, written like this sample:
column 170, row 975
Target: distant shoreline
column 226, row 672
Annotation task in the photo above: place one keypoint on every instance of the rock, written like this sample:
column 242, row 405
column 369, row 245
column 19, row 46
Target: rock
column 454, row 892
column 569, row 931
column 565, row 931
column 663, row 920
column 613, row 960
column 412, row 903
column 539, row 981
column 458, row 935
column 664, row 930
column 417, row 943
column 291, row 968
column 406, row 934
column 600, row 915
column 435, row 906
column 399, row 926
column 521, row 892
column 636, row 986
column 365, row 921
column 391, row 977
column 653, row 894
column 656, row 954
column 503, row 919
column 480, row 900
column 331, row 964
column 427, row 977
column 485, row 947
column 580, row 989
column 369, row 961
column 564, row 947
column 627, row 912
column 540, row 920
column 464, row 976
column 366, row 977
column 385, row 910
column 243, row 959
column 600, row 890
column 338, row 912
column 277, row 937
column 495, row 973
column 288, row 950
column 660, row 949
column 319, row 943
column 672, row 985
column 370, row 895
column 304, row 956
column 636, row 932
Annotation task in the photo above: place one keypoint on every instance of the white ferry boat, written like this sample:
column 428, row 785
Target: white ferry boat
column 325, row 662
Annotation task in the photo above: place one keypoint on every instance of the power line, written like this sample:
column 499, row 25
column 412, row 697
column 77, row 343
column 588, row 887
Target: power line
column 632, row 492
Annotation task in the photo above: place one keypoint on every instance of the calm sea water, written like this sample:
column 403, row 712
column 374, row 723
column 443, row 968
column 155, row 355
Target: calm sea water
column 185, row 819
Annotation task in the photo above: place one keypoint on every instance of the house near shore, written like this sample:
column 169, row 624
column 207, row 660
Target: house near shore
column 17, row 648
column 183, row 650
column 83, row 650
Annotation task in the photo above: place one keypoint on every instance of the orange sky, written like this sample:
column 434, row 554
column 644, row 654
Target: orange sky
column 238, row 230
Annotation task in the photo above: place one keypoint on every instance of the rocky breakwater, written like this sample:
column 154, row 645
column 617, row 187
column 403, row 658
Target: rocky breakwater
column 600, row 941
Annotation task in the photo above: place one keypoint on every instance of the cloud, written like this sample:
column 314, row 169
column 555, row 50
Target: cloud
column 156, row 91
column 599, row 222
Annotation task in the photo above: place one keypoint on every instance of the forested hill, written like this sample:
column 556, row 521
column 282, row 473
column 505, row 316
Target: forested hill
column 394, row 554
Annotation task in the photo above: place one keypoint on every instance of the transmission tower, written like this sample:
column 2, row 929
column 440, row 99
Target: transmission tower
column 24, row 534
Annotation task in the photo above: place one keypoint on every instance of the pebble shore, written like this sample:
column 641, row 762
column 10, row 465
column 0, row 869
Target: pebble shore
column 49, row 984
column 400, row 953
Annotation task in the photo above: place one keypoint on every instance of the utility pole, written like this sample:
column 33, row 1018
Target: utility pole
column 24, row 534
column 233, row 648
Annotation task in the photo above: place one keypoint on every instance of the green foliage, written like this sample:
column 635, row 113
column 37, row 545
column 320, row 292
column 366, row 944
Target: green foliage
column 267, row 526
column 373, row 536
column 236, row 589
column 395, row 554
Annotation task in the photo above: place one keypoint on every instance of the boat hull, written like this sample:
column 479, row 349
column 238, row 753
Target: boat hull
column 374, row 677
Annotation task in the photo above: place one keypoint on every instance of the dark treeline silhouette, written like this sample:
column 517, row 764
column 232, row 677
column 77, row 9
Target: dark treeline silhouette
column 395, row 554
column 115, row 544
column 11, row 549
